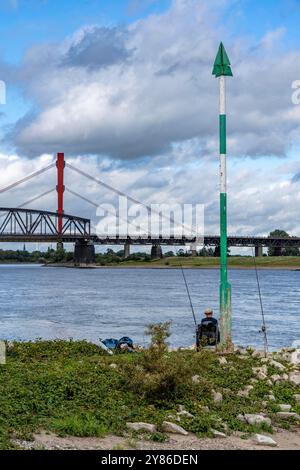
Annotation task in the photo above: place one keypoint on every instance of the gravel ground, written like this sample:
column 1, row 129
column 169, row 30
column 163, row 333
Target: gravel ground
column 286, row 440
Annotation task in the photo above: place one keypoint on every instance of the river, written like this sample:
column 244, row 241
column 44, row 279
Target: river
column 39, row 302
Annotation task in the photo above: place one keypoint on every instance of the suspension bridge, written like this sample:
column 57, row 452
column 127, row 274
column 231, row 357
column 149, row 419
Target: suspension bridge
column 22, row 224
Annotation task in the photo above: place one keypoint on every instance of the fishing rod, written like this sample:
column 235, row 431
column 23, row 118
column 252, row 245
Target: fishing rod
column 189, row 295
column 264, row 326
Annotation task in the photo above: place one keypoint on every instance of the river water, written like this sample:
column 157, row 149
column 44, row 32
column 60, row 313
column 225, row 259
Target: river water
column 39, row 302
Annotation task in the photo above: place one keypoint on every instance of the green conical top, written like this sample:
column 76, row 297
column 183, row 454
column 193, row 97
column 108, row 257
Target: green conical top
column 222, row 63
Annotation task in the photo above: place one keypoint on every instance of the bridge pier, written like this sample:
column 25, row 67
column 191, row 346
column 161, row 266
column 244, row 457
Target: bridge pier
column 258, row 251
column 84, row 254
column 126, row 250
column 217, row 251
column 277, row 251
column 156, row 252
column 193, row 249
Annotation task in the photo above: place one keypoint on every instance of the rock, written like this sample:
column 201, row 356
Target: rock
column 271, row 397
column 173, row 428
column 287, row 415
column 294, row 378
column 246, row 391
column 241, row 418
column 181, row 408
column 242, row 393
column 269, row 382
column 263, row 369
column 141, row 427
column 261, row 376
column 217, row 433
column 277, row 364
column 257, row 419
column 217, row 396
column 262, row 440
column 222, row 360
column 285, row 407
column 185, row 414
column 295, row 357
column 174, row 418
column 196, row 379
column 285, row 377
column 253, row 381
column 205, row 409
column 257, row 353
column 297, row 398
column 276, row 378
column 113, row 366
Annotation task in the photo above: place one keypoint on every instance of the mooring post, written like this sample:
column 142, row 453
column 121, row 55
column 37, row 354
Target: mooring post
column 60, row 165
column 221, row 70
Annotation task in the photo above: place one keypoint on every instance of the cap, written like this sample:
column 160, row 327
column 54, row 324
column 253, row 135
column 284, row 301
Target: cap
column 208, row 311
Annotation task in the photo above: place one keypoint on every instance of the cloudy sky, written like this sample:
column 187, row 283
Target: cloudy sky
column 125, row 89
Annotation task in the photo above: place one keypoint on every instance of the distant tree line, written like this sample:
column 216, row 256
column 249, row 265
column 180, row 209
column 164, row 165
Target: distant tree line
column 40, row 257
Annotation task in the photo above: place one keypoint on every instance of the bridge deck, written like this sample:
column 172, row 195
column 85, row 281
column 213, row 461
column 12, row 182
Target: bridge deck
column 209, row 240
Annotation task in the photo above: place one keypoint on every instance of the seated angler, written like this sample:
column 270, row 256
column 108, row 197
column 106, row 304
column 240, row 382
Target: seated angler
column 208, row 333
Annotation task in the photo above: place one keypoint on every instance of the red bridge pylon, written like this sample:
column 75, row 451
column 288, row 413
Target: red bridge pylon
column 60, row 188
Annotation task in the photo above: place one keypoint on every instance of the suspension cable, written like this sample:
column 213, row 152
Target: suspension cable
column 36, row 198
column 27, row 178
column 31, row 200
column 264, row 326
column 130, row 198
column 96, row 205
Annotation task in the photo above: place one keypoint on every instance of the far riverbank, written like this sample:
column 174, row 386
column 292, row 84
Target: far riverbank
column 198, row 262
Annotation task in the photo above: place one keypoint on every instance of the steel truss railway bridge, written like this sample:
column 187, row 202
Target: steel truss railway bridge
column 31, row 225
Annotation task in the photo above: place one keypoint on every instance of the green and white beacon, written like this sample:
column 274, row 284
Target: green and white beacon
column 222, row 70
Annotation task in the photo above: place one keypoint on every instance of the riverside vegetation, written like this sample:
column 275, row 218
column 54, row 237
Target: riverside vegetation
column 73, row 388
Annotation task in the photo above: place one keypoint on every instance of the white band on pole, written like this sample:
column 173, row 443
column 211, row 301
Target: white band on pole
column 222, row 95
column 223, row 173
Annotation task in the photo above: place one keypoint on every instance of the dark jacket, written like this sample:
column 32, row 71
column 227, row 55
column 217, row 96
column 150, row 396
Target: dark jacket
column 208, row 327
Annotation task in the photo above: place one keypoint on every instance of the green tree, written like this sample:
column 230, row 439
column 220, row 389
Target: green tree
column 288, row 251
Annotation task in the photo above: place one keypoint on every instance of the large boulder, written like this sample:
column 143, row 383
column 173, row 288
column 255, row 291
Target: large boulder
column 287, row 415
column 262, row 440
column 147, row 427
column 173, row 428
column 295, row 357
column 216, row 433
column 257, row 419
column 277, row 364
column 294, row 378
column 284, row 407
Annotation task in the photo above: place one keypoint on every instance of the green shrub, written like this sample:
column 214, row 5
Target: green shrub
column 79, row 425
column 159, row 376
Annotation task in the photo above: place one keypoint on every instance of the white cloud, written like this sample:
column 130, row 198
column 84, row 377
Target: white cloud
column 152, row 86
